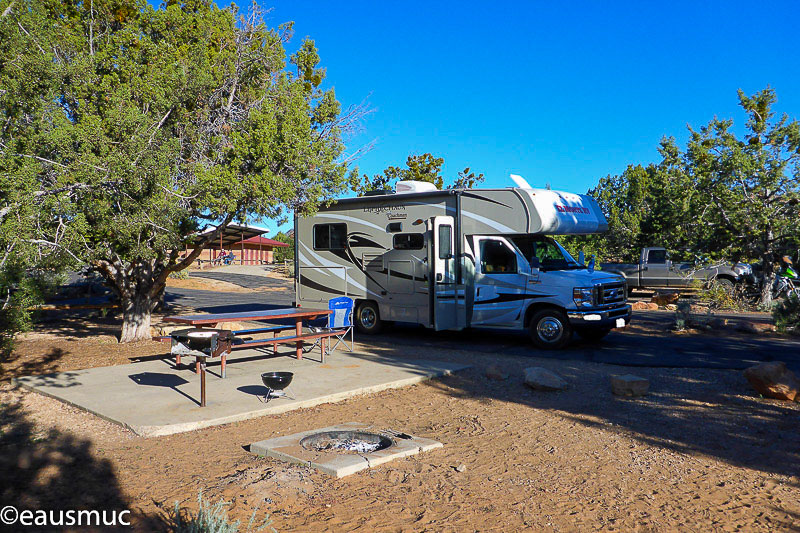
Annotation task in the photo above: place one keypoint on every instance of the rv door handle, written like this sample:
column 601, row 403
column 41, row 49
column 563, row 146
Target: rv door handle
column 438, row 277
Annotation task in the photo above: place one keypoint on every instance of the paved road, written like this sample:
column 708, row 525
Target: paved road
column 632, row 349
column 248, row 281
column 228, row 302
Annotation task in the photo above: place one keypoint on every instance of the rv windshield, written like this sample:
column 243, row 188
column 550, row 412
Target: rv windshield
column 551, row 255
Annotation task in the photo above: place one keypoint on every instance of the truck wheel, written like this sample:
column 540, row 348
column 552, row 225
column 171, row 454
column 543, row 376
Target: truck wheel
column 726, row 284
column 368, row 318
column 593, row 334
column 550, row 329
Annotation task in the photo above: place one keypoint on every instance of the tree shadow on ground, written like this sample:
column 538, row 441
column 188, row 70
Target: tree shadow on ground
column 681, row 413
column 78, row 323
column 53, row 471
column 715, row 413
column 46, row 364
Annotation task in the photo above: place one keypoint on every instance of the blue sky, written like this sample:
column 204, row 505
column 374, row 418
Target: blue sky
column 561, row 93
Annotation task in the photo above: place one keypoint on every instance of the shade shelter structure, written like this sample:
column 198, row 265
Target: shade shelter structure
column 247, row 244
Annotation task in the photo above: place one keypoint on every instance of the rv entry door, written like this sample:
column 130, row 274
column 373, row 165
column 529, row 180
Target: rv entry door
column 449, row 312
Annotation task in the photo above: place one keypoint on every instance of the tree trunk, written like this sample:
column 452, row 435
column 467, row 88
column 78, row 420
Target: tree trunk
column 767, row 280
column 136, row 318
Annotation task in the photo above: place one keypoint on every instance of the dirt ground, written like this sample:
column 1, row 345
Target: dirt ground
column 701, row 452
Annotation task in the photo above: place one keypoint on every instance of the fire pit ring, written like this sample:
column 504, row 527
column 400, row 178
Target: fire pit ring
column 346, row 442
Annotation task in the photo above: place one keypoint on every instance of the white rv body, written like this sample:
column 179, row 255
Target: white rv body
column 457, row 258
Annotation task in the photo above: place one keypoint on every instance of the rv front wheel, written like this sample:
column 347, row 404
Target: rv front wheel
column 368, row 318
column 550, row 329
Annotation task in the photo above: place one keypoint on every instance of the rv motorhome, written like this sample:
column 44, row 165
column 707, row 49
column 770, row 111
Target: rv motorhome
column 464, row 258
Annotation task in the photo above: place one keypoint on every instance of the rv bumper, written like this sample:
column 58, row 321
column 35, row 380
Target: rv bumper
column 615, row 317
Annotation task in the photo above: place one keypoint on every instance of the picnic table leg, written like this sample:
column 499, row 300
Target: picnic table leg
column 274, row 344
column 202, row 368
column 223, row 360
column 299, row 331
column 177, row 359
column 322, row 349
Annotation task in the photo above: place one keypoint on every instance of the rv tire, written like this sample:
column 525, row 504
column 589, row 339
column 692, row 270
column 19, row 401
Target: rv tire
column 550, row 329
column 368, row 318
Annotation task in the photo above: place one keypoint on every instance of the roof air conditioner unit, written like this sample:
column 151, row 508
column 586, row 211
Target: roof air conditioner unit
column 414, row 186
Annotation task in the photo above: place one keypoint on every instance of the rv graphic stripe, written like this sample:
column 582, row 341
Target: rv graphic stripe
column 501, row 298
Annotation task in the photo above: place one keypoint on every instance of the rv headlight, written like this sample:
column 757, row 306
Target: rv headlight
column 583, row 296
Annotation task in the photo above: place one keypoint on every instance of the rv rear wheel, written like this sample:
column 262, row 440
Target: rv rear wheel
column 368, row 318
column 550, row 329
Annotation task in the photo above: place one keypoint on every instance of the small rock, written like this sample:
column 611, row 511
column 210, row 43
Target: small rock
column 496, row 373
column 774, row 380
column 540, row 378
column 665, row 298
column 629, row 385
column 461, row 468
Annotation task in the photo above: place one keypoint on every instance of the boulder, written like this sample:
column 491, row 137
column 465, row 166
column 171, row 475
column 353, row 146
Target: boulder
column 539, row 378
column 629, row 385
column 774, row 380
column 496, row 373
column 755, row 328
column 718, row 323
column 166, row 330
column 232, row 326
column 639, row 306
column 665, row 298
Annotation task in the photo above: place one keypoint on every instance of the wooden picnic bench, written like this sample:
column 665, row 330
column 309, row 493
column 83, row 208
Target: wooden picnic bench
column 297, row 338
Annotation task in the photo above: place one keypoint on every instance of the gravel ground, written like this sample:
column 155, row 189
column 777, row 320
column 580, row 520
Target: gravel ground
column 701, row 452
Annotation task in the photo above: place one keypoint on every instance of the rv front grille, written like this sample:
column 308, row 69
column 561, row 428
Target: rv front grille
column 612, row 293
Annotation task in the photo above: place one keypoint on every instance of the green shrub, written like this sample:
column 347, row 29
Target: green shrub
column 719, row 296
column 212, row 518
column 180, row 274
column 787, row 314
column 683, row 314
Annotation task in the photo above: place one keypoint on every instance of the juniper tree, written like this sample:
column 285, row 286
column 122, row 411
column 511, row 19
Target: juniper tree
column 129, row 129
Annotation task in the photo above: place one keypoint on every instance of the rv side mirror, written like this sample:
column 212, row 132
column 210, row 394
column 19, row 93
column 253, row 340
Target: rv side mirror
column 535, row 263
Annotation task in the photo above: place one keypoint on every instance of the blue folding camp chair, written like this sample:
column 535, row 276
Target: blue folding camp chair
column 340, row 321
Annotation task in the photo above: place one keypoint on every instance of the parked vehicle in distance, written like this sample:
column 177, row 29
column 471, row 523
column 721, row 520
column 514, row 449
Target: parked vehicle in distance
column 786, row 282
column 461, row 258
column 655, row 269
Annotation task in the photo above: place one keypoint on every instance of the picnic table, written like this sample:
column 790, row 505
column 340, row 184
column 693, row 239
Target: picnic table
column 295, row 313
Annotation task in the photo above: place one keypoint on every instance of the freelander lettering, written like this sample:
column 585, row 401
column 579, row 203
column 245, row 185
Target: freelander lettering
column 571, row 209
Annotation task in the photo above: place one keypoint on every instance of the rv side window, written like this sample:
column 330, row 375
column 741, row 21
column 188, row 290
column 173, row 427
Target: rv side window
column 330, row 236
column 445, row 247
column 497, row 258
column 408, row 241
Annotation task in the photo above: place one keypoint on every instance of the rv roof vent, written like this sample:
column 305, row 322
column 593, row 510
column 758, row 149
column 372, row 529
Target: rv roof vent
column 378, row 193
column 414, row 186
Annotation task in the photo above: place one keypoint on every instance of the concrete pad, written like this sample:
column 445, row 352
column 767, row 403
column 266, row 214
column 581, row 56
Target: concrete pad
column 153, row 398
column 289, row 449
